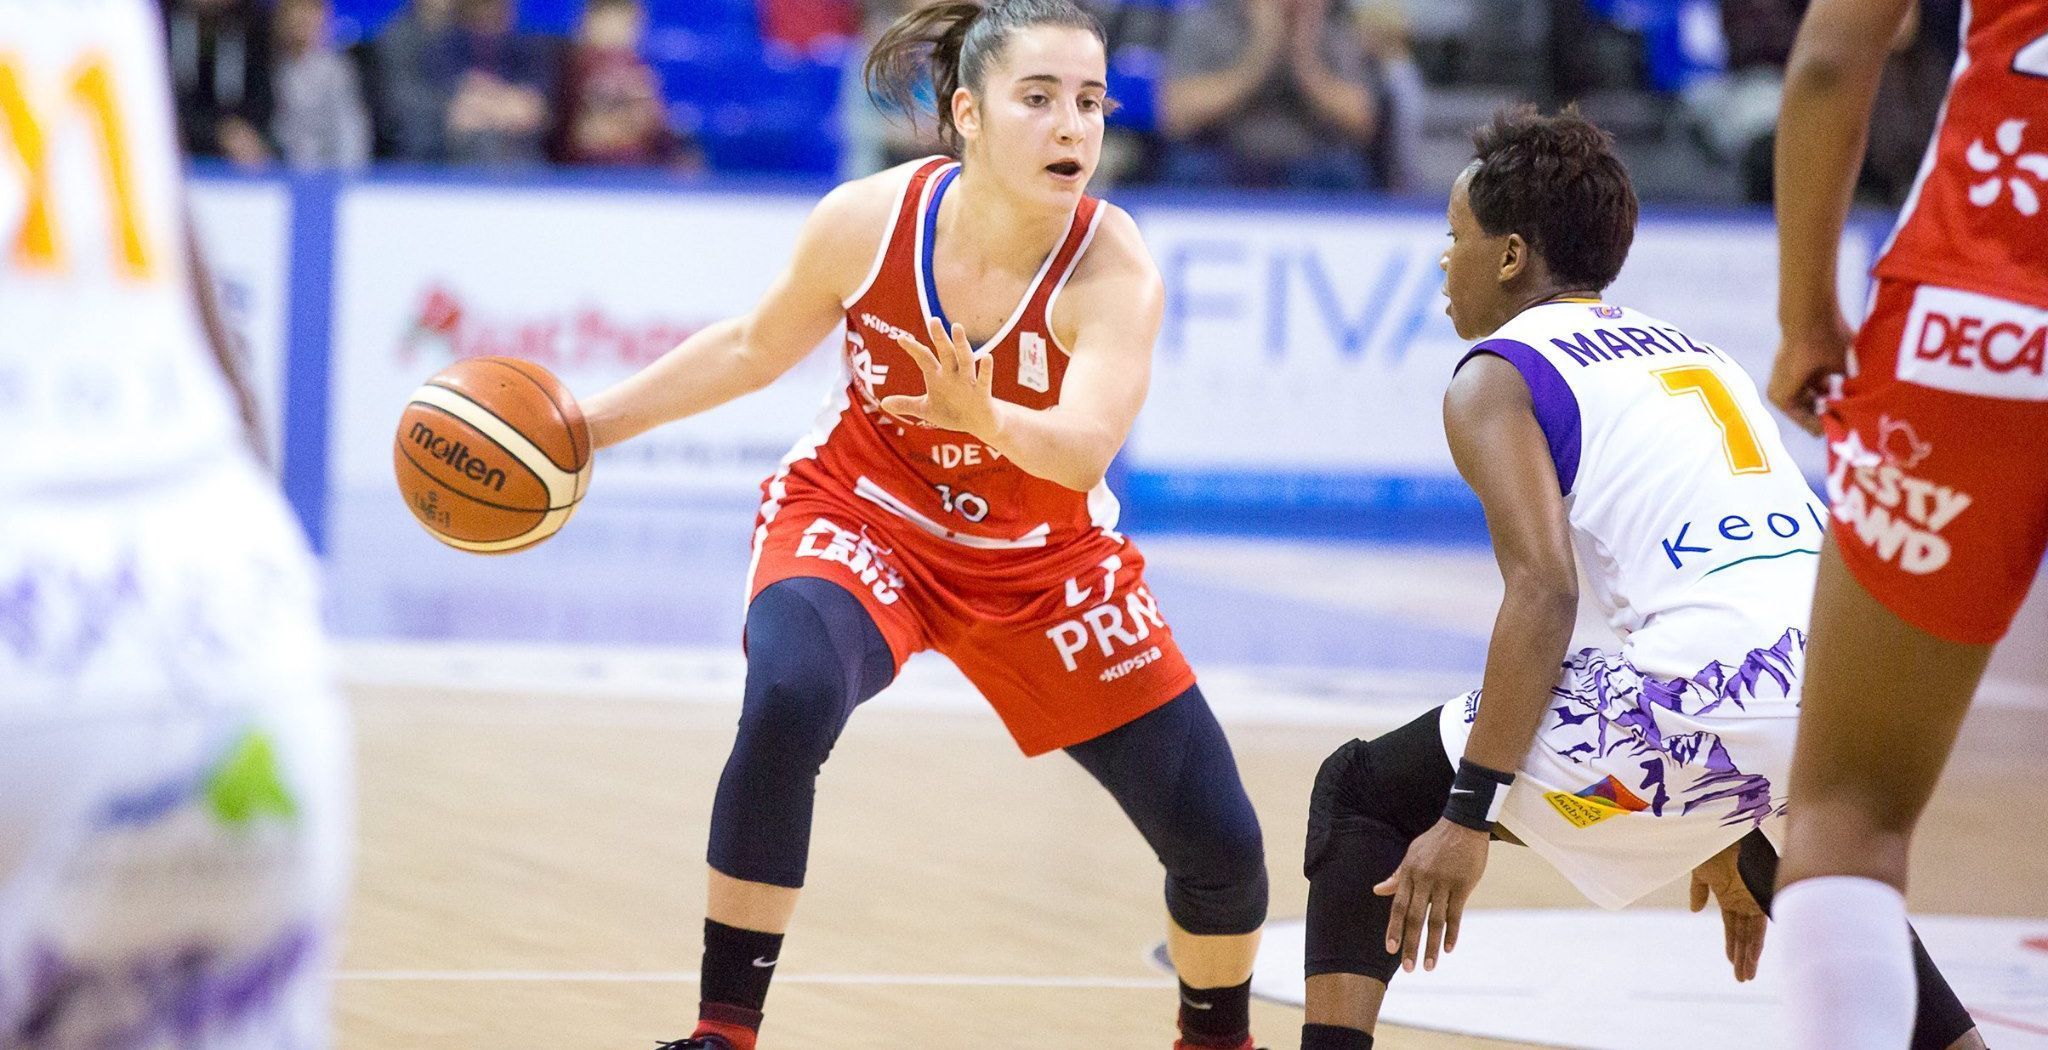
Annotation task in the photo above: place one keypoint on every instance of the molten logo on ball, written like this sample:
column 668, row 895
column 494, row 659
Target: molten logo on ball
column 456, row 454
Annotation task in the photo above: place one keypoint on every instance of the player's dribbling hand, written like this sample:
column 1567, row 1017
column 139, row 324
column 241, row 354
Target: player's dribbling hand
column 958, row 386
column 1742, row 920
column 1810, row 360
column 1436, row 876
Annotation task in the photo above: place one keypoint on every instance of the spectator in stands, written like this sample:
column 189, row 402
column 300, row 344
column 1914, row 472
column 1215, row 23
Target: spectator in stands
column 1736, row 115
column 1268, row 93
column 408, row 108
column 1398, row 84
column 612, row 111
column 320, row 120
column 498, row 83
column 220, row 73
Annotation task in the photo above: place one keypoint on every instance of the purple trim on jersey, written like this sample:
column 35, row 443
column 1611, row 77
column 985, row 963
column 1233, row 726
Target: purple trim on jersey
column 1556, row 407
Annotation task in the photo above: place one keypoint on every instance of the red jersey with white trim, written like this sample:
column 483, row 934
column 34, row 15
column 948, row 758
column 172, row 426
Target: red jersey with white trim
column 948, row 484
column 1977, row 218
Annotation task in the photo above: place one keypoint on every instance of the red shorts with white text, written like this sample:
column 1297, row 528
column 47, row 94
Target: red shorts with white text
column 1938, row 458
column 1066, row 643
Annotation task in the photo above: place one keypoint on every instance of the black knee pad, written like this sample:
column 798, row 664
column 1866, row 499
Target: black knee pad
column 1371, row 799
column 812, row 654
column 1172, row 772
column 1225, row 895
column 1333, row 798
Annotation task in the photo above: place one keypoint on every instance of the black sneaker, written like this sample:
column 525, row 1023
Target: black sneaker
column 702, row 1042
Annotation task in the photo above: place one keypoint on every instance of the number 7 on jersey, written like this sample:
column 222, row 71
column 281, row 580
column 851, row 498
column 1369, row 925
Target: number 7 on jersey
column 1738, row 439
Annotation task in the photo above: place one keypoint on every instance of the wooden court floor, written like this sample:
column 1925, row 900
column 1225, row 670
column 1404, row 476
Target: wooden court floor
column 529, row 875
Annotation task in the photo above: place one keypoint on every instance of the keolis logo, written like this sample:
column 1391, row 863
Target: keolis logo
column 456, row 454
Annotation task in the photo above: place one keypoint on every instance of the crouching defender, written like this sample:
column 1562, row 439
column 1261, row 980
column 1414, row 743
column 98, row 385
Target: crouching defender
column 1594, row 436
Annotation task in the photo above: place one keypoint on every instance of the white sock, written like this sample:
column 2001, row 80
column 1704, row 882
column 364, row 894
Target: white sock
column 1849, row 952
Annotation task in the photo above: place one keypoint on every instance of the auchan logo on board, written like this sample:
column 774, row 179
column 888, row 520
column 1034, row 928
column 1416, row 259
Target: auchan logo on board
column 447, row 327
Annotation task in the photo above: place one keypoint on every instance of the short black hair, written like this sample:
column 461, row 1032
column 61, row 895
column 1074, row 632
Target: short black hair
column 1556, row 181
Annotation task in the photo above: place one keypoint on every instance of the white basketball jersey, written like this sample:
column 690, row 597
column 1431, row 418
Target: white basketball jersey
column 105, row 379
column 1694, row 529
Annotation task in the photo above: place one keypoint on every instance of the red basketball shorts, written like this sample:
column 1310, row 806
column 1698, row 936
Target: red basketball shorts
column 1938, row 458
column 1066, row 643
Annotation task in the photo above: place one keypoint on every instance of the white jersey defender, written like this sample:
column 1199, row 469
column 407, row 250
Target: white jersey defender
column 173, row 804
column 1698, row 539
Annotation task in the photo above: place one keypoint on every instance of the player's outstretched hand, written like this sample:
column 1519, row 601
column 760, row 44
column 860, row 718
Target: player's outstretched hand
column 1434, row 879
column 1742, row 920
column 958, row 387
column 1808, row 365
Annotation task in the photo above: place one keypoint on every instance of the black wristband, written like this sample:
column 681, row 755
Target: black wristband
column 1477, row 795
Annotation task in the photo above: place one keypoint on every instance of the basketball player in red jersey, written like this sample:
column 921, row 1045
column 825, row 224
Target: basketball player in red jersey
column 1936, row 472
column 999, row 329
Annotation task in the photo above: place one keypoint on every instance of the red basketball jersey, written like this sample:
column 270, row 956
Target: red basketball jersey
column 945, row 483
column 1977, row 219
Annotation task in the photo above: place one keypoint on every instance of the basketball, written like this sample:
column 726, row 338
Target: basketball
column 492, row 455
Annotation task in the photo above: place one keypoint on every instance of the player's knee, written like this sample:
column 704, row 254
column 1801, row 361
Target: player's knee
column 1341, row 770
column 799, row 688
column 1225, row 897
column 1335, row 799
column 1216, row 880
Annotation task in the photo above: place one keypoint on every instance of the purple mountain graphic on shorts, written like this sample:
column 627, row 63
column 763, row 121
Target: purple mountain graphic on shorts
column 1613, row 710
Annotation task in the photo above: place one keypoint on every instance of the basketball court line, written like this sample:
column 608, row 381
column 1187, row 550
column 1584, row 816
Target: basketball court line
column 928, row 683
column 1634, row 970
column 948, row 980
column 1240, row 694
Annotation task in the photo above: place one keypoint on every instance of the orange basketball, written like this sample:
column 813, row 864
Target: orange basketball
column 492, row 455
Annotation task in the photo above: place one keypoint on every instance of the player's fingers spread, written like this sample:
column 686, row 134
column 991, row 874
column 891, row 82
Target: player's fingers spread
column 1391, row 885
column 1699, row 892
column 926, row 362
column 942, row 344
column 904, row 405
column 985, row 371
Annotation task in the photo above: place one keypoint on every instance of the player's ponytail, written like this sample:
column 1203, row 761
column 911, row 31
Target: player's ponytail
column 955, row 42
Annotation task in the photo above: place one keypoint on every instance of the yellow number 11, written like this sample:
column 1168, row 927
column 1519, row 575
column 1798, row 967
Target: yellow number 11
column 1738, row 439
column 40, row 244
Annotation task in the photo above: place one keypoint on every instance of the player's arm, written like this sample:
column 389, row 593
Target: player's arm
column 1830, row 82
column 1192, row 102
column 1108, row 315
column 1504, row 456
column 1501, row 451
column 227, row 350
column 743, row 354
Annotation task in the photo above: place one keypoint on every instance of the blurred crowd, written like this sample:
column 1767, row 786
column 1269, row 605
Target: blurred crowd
column 459, row 82
column 1324, row 95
